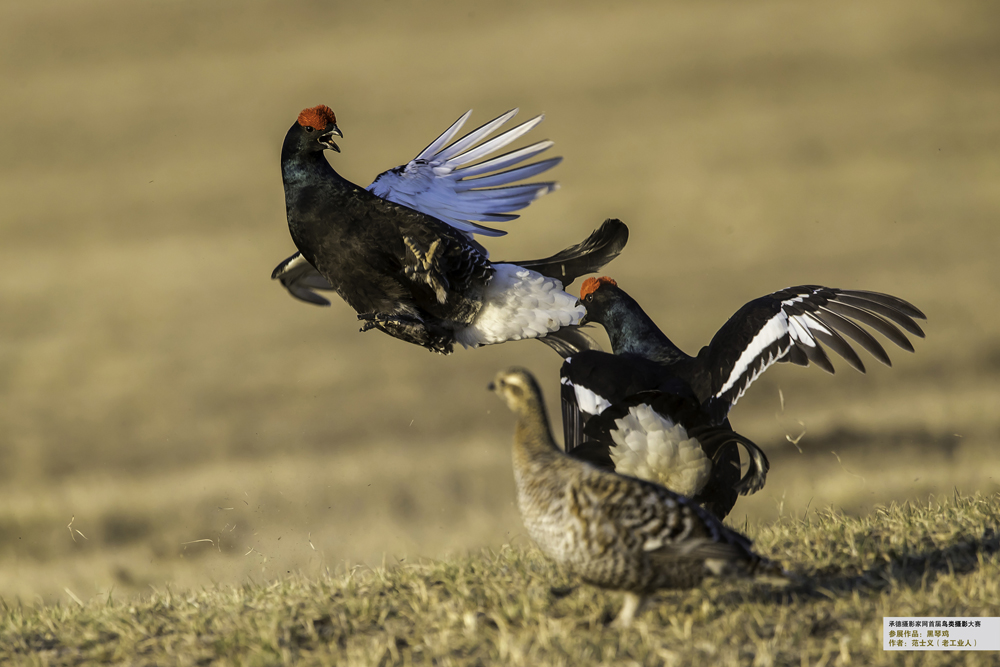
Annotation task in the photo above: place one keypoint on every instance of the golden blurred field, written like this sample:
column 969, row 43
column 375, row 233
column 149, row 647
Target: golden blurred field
column 158, row 389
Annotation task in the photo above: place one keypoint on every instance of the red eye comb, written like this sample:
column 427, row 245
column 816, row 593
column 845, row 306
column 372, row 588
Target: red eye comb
column 591, row 284
column 317, row 117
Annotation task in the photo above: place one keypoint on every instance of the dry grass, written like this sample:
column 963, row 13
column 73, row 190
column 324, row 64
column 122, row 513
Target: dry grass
column 150, row 373
column 498, row 607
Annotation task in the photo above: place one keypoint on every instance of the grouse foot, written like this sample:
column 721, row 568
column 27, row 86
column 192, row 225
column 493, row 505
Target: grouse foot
column 425, row 270
column 409, row 329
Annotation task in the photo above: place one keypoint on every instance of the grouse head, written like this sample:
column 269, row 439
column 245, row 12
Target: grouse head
column 595, row 295
column 315, row 128
column 517, row 388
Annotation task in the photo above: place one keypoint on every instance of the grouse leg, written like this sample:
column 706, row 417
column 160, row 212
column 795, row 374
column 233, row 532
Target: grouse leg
column 633, row 605
column 411, row 330
column 425, row 270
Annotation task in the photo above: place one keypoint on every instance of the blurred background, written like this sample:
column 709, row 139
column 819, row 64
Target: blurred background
column 172, row 417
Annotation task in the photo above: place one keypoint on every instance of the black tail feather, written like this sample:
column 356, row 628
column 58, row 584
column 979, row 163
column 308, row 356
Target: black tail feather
column 570, row 340
column 602, row 246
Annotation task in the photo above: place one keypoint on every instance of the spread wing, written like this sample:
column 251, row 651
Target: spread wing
column 793, row 325
column 444, row 182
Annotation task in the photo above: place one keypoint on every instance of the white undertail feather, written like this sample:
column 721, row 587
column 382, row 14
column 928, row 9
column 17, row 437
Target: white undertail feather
column 520, row 303
column 651, row 447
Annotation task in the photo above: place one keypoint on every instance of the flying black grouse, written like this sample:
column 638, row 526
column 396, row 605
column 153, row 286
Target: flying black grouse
column 611, row 530
column 421, row 277
column 440, row 182
column 698, row 392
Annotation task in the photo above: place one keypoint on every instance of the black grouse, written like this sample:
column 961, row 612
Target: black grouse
column 698, row 392
column 414, row 275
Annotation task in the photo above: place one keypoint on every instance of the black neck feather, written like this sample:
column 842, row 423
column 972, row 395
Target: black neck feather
column 632, row 331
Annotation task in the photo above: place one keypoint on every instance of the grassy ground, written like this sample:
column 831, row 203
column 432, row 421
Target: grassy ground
column 171, row 417
column 499, row 607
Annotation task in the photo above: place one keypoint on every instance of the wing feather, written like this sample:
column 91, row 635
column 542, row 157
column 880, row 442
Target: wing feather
column 300, row 279
column 795, row 324
column 442, row 180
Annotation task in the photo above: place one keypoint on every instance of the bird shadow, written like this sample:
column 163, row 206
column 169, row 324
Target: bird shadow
column 904, row 569
column 912, row 569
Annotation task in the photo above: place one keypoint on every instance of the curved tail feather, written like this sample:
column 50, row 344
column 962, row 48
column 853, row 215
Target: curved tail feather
column 588, row 256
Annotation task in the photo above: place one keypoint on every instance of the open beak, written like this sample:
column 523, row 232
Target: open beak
column 326, row 139
column 583, row 320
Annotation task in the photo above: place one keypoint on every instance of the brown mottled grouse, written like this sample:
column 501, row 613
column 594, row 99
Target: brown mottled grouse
column 613, row 531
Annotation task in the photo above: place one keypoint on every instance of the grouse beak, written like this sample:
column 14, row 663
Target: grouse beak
column 583, row 320
column 326, row 139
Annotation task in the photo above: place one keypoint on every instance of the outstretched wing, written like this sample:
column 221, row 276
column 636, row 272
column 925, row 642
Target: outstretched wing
column 442, row 180
column 793, row 325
